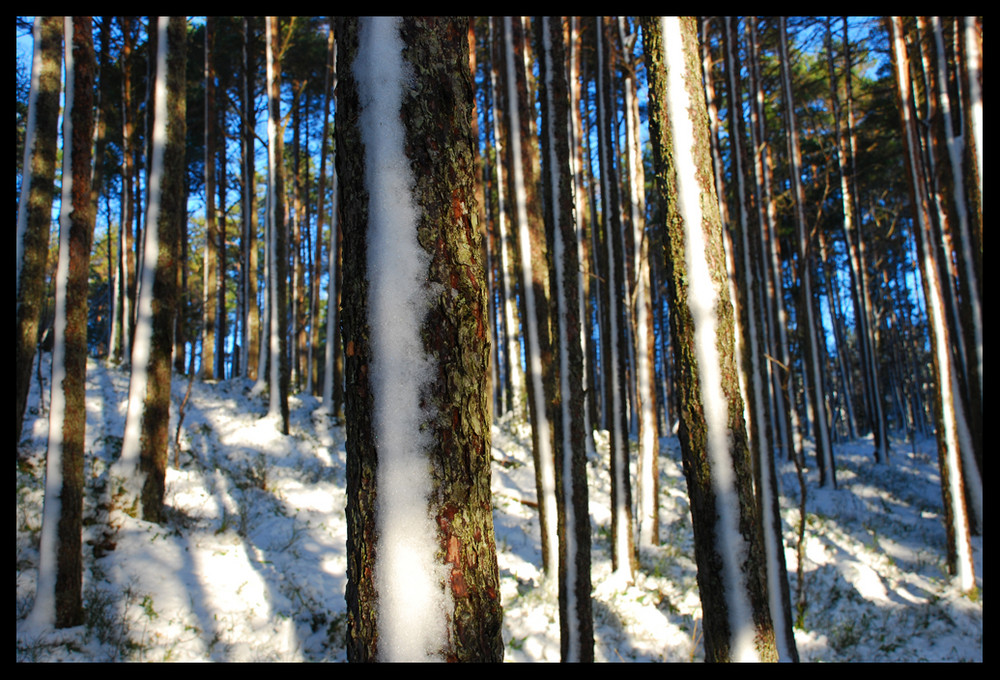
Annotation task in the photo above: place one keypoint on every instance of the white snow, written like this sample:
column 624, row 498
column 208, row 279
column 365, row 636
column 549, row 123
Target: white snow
column 251, row 565
column 412, row 600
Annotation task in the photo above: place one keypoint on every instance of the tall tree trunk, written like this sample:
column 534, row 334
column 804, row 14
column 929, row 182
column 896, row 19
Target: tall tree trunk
column 209, row 298
column 34, row 213
column 575, row 615
column 423, row 581
column 947, row 405
column 765, row 477
column 278, row 241
column 251, row 324
column 58, row 598
column 807, row 322
column 534, row 284
column 622, row 541
column 144, row 445
column 716, row 458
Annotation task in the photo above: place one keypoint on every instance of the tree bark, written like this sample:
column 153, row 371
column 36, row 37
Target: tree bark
column 728, row 547
column 35, row 210
column 441, row 278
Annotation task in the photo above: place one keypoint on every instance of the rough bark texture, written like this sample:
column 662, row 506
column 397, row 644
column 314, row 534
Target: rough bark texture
column 575, row 611
column 156, row 410
column 38, row 181
column 693, row 431
column 69, row 611
column 436, row 111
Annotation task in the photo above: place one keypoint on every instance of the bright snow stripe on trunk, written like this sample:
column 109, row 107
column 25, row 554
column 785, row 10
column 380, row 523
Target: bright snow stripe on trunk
column 534, row 358
column 142, row 342
column 412, row 601
column 43, row 614
column 702, row 300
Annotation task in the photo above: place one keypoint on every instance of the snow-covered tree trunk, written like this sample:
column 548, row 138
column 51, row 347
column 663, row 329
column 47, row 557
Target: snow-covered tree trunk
column 423, row 581
column 947, row 404
column 144, row 446
column 756, row 371
column 331, row 285
column 58, row 595
column 575, row 614
column 34, row 213
column 534, row 286
column 728, row 550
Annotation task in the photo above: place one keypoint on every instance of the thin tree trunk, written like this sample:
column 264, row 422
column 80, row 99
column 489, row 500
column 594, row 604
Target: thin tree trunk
column 34, row 213
column 575, row 615
column 59, row 596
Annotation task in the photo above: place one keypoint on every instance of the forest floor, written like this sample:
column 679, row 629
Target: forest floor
column 251, row 563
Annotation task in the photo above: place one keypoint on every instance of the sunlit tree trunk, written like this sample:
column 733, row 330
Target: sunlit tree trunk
column 728, row 546
column 34, row 215
column 947, row 404
column 277, row 283
column 59, row 596
column 423, row 581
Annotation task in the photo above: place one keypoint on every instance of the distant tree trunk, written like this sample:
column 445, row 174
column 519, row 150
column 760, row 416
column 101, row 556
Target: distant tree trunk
column 423, row 581
column 278, row 241
column 58, row 599
column 534, row 284
column 209, row 297
column 615, row 296
column 716, row 458
column 812, row 360
column 947, row 404
column 517, row 401
column 575, row 614
column 34, row 214
column 330, row 82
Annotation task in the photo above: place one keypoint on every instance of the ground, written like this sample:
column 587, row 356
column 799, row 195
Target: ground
column 251, row 566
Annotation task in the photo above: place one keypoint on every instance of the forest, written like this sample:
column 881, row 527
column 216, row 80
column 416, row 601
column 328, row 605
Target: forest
column 499, row 339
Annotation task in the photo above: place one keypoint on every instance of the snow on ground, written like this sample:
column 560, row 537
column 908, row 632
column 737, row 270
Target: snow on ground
column 251, row 565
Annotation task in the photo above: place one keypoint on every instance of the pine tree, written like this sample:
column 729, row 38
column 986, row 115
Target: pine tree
column 423, row 581
column 575, row 615
column 713, row 439
column 144, row 447
column 58, row 599
column 34, row 213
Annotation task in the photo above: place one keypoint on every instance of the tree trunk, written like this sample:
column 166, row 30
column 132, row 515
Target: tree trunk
column 278, row 241
column 728, row 548
column 35, row 210
column 423, row 581
column 58, row 599
column 575, row 615
column 947, row 405
column 622, row 542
